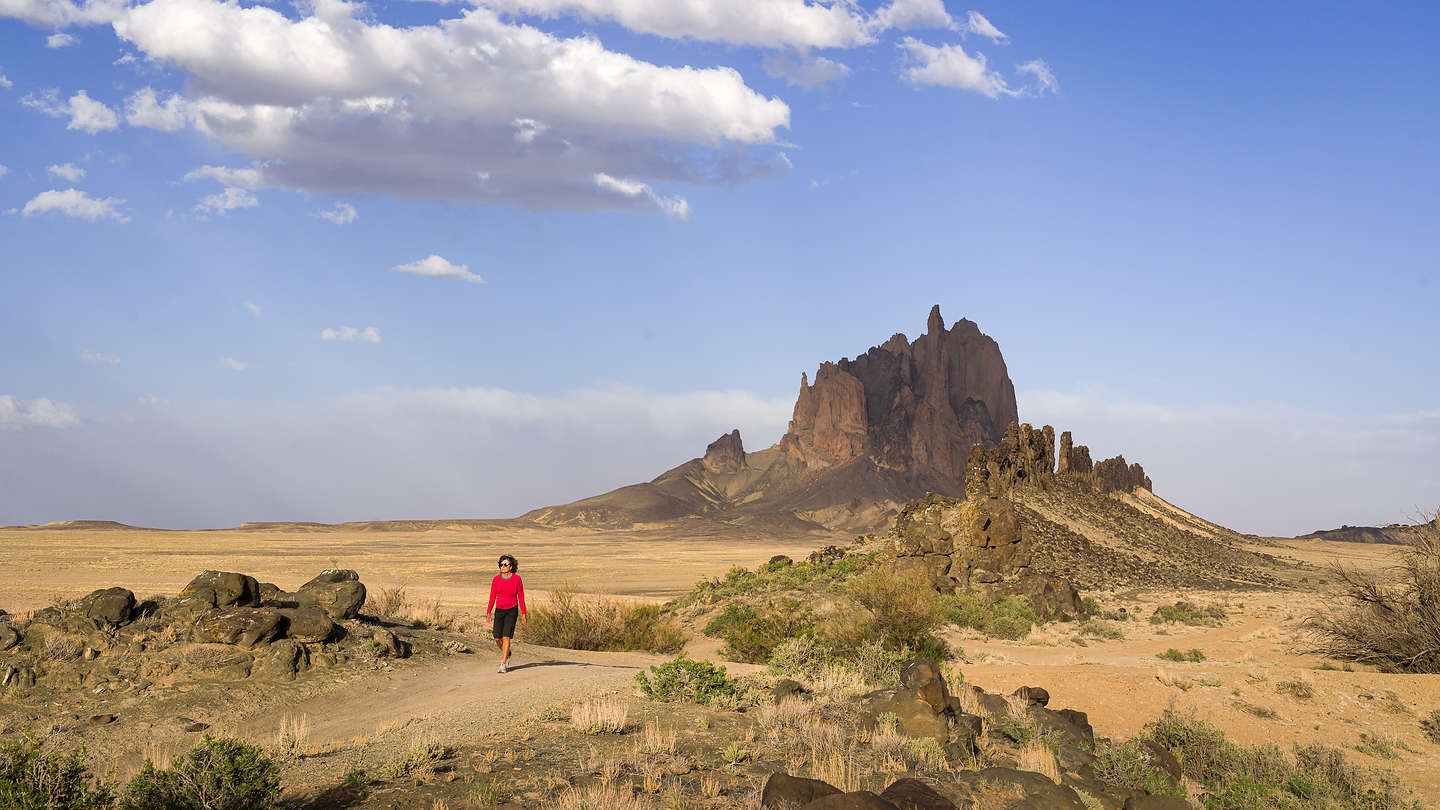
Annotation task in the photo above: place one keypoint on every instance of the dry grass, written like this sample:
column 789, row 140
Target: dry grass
column 655, row 740
column 840, row 770
column 606, row 796
column 970, row 702
column 776, row 720
column 603, row 716
column 62, row 648
column 573, row 621
column 1168, row 678
column 389, row 602
column 289, row 742
column 1036, row 756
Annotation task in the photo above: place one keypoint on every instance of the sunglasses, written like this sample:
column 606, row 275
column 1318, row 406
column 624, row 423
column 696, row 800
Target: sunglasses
column 506, row 565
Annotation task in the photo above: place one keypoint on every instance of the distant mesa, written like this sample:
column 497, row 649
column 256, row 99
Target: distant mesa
column 1395, row 533
column 867, row 436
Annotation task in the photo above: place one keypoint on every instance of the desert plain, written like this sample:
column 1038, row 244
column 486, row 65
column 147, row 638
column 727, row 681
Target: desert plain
column 490, row 719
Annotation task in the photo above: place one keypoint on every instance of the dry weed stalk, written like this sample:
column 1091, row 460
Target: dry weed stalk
column 606, row 796
column 1036, row 756
column 1167, row 678
column 709, row 786
column 289, row 743
column 62, row 648
column 604, row 716
column 655, row 740
column 839, row 769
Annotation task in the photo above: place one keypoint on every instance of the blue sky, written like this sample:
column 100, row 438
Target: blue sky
column 338, row 261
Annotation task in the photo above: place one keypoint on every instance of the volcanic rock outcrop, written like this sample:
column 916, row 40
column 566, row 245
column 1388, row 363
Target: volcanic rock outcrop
column 866, row 436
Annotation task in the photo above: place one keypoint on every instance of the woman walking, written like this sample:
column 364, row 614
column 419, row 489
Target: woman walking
column 507, row 600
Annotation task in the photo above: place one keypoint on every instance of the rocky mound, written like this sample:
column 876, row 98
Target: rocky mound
column 1395, row 533
column 866, row 436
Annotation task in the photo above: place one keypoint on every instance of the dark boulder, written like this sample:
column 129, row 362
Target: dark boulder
column 1156, row 803
column 282, row 660
column 912, row 794
column 388, row 645
column 222, row 589
column 1037, row 695
column 9, row 637
column 242, row 626
column 307, row 624
column 113, row 606
column 859, row 800
column 330, row 576
column 340, row 598
column 783, row 791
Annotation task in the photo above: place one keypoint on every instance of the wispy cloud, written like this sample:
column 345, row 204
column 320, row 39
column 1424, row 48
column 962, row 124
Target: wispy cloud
column 74, row 203
column 341, row 214
column 16, row 414
column 350, row 334
column 68, row 171
column 950, row 66
column 809, row 71
column 4, row 170
column 976, row 23
column 60, row 40
column 226, row 201
column 100, row 357
column 252, row 307
column 436, row 266
column 233, row 364
column 634, row 190
column 152, row 401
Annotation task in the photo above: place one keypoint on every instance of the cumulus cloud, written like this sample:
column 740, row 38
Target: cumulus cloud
column 68, row 171
column 233, row 364
column 85, row 114
column 643, row 195
column 61, row 13
column 911, row 14
column 341, row 214
column 951, row 66
column 977, row 24
column 436, row 266
column 242, row 178
column 335, row 102
column 144, row 109
column 252, row 307
column 100, row 357
column 810, row 72
column 226, row 201
column 16, row 414
column 774, row 24
column 4, row 82
column 350, row 334
column 60, row 40
column 74, row 203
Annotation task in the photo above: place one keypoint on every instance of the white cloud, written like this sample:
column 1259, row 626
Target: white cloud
column 85, row 114
column 60, row 13
column 4, row 82
column 951, row 66
column 68, row 171
column 350, row 334
column 78, row 204
column 335, row 102
column 143, row 109
column 242, row 178
column 977, row 24
column 4, row 170
column 233, row 364
column 152, row 401
column 226, row 201
column 252, row 307
column 1045, row 81
column 60, row 40
column 435, row 266
column 16, row 414
column 676, row 207
column 910, row 14
column 808, row 71
column 341, row 214
column 100, row 357
column 774, row 24
column 526, row 129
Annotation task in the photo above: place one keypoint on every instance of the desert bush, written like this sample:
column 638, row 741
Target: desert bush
column 391, row 601
column 683, row 678
column 800, row 657
column 1099, row 628
column 32, row 778
column 1008, row 617
column 1264, row 777
column 604, row 716
column 775, row 578
column 1183, row 612
column 886, row 608
column 417, row 760
column 1089, row 607
column 750, row 635
column 218, row 774
column 1129, row 765
column 1392, row 620
column 1431, row 727
column 1192, row 655
column 1300, row 690
column 568, row 619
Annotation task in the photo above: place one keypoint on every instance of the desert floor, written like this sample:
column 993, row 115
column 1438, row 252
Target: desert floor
column 1243, row 685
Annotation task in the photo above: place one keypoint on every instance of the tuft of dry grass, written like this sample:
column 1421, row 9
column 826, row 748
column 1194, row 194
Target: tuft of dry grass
column 840, row 770
column 605, row 796
column 1298, row 689
column 62, row 648
column 603, row 716
column 388, row 602
column 574, row 621
column 1036, row 756
column 289, row 742
column 970, row 702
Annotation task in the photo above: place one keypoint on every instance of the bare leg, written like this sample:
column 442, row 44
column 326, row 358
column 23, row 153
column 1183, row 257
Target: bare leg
column 505, row 649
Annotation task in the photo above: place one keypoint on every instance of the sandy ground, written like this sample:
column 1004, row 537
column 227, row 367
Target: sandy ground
column 1121, row 684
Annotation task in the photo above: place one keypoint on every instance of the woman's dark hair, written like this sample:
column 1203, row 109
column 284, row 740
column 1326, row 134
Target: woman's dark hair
column 514, row 566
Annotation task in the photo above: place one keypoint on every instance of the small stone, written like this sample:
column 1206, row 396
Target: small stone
column 102, row 719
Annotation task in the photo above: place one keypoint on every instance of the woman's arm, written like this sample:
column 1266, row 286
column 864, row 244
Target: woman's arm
column 520, row 593
column 491, row 606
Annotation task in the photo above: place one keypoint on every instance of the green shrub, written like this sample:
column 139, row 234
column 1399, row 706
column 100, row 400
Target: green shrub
column 1008, row 617
column 775, row 578
column 1129, row 765
column 1188, row 613
column 34, row 779
column 683, row 678
column 897, row 612
column 575, row 622
column 1089, row 607
column 1431, row 727
column 751, row 635
column 218, row 774
column 416, row 758
column 1192, row 655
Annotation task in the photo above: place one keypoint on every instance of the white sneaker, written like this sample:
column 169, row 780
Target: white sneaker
column 503, row 668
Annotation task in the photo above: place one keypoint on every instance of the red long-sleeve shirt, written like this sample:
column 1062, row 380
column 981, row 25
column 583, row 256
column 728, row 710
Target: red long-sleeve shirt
column 506, row 593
